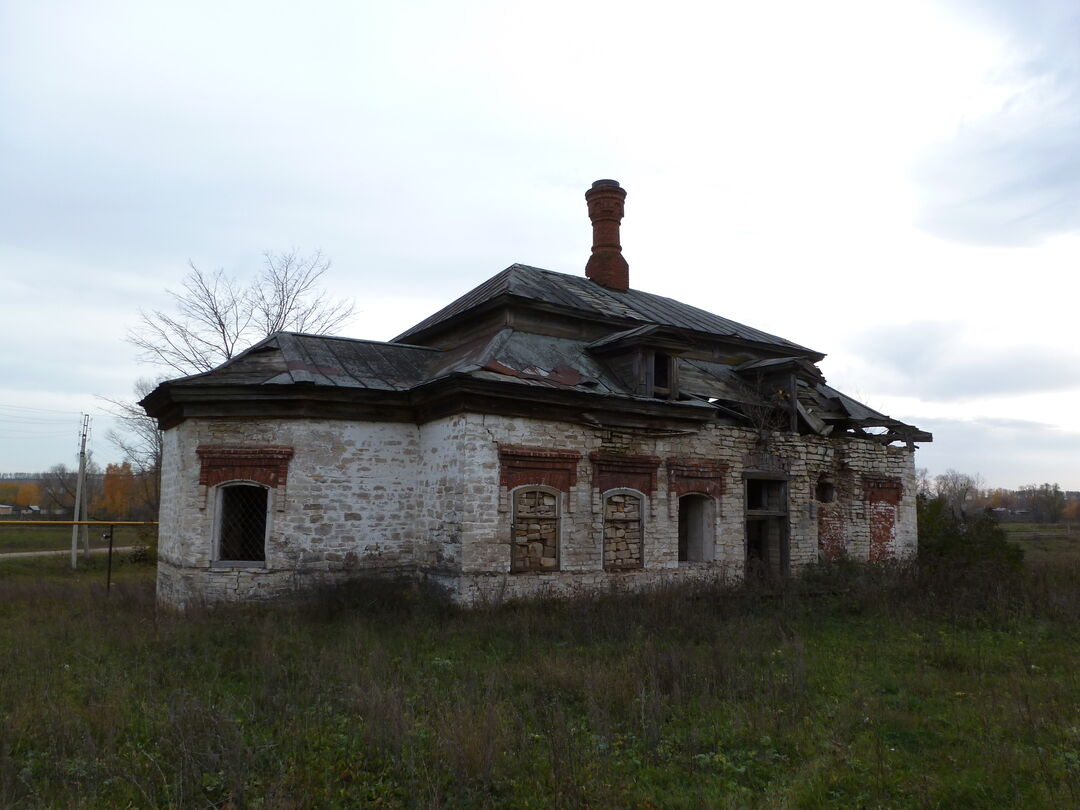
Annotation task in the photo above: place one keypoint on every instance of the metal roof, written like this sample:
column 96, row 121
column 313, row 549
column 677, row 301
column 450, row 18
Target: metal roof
column 511, row 357
column 583, row 295
column 287, row 358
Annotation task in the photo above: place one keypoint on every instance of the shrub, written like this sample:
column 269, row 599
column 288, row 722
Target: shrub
column 946, row 538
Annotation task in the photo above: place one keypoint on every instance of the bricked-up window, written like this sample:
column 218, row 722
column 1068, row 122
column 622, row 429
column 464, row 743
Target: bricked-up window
column 623, row 512
column 241, row 528
column 535, row 530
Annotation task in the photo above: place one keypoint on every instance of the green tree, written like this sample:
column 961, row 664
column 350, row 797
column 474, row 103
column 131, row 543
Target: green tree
column 946, row 538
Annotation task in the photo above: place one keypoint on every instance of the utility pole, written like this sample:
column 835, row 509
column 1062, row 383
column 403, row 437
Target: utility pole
column 80, row 508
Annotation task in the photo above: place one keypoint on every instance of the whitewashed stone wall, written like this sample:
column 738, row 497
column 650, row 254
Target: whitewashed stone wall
column 426, row 501
column 487, row 542
column 348, row 505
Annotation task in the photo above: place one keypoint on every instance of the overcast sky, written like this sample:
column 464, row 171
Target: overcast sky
column 897, row 185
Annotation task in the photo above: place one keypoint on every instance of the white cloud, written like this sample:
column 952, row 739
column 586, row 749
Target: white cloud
column 936, row 361
column 1006, row 452
column 1010, row 175
column 768, row 151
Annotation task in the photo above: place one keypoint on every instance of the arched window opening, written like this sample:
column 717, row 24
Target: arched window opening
column 535, row 530
column 242, row 512
column 623, row 533
column 697, row 539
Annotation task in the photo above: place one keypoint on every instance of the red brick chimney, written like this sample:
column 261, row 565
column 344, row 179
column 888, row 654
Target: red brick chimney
column 606, row 265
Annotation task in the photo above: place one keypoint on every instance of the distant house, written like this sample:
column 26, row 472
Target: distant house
column 6, row 509
column 544, row 433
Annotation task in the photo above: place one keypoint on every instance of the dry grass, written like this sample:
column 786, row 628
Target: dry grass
column 1047, row 543
column 871, row 687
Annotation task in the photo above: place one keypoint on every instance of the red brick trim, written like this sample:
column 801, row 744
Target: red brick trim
column 521, row 465
column 268, row 465
column 688, row 475
column 624, row 472
column 881, row 488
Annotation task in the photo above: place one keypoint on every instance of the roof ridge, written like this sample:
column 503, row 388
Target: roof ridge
column 390, row 343
column 588, row 299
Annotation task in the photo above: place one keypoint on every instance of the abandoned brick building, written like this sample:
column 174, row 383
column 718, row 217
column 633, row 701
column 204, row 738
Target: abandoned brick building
column 543, row 433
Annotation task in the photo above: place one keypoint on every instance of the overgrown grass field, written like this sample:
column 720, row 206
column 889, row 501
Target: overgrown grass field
column 854, row 687
column 1051, row 543
column 52, row 538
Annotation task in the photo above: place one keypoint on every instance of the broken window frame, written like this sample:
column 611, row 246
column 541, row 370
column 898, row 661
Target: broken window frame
column 651, row 359
column 777, row 512
column 221, row 492
column 514, row 521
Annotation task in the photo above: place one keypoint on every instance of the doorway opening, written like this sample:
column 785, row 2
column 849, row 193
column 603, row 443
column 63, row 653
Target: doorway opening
column 767, row 526
column 697, row 522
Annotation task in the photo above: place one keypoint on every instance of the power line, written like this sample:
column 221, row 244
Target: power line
column 6, row 420
column 43, row 410
column 49, row 434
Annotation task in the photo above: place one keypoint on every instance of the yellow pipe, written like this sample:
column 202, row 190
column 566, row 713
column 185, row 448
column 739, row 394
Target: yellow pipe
column 78, row 523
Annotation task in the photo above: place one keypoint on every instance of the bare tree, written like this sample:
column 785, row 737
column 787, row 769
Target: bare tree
column 287, row 296
column 924, row 486
column 957, row 489
column 139, row 442
column 765, row 407
column 218, row 315
column 58, row 485
column 1046, row 501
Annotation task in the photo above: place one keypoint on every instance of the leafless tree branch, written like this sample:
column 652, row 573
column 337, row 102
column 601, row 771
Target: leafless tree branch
column 217, row 316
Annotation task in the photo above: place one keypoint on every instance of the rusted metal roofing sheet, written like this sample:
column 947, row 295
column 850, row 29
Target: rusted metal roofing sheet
column 855, row 409
column 581, row 294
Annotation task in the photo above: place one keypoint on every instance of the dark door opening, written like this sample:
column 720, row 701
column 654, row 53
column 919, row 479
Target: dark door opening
column 767, row 528
column 697, row 537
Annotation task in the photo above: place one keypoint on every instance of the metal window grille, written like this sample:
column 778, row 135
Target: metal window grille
column 242, row 532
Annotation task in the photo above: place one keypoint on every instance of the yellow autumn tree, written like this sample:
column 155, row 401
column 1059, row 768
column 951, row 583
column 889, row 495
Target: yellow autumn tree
column 29, row 494
column 118, row 492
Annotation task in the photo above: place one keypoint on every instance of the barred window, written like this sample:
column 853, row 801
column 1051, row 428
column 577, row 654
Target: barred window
column 623, row 530
column 535, row 530
column 242, row 510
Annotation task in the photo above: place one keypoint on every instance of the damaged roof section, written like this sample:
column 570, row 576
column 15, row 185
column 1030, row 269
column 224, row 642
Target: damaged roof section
column 538, row 344
column 772, row 393
column 790, row 393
